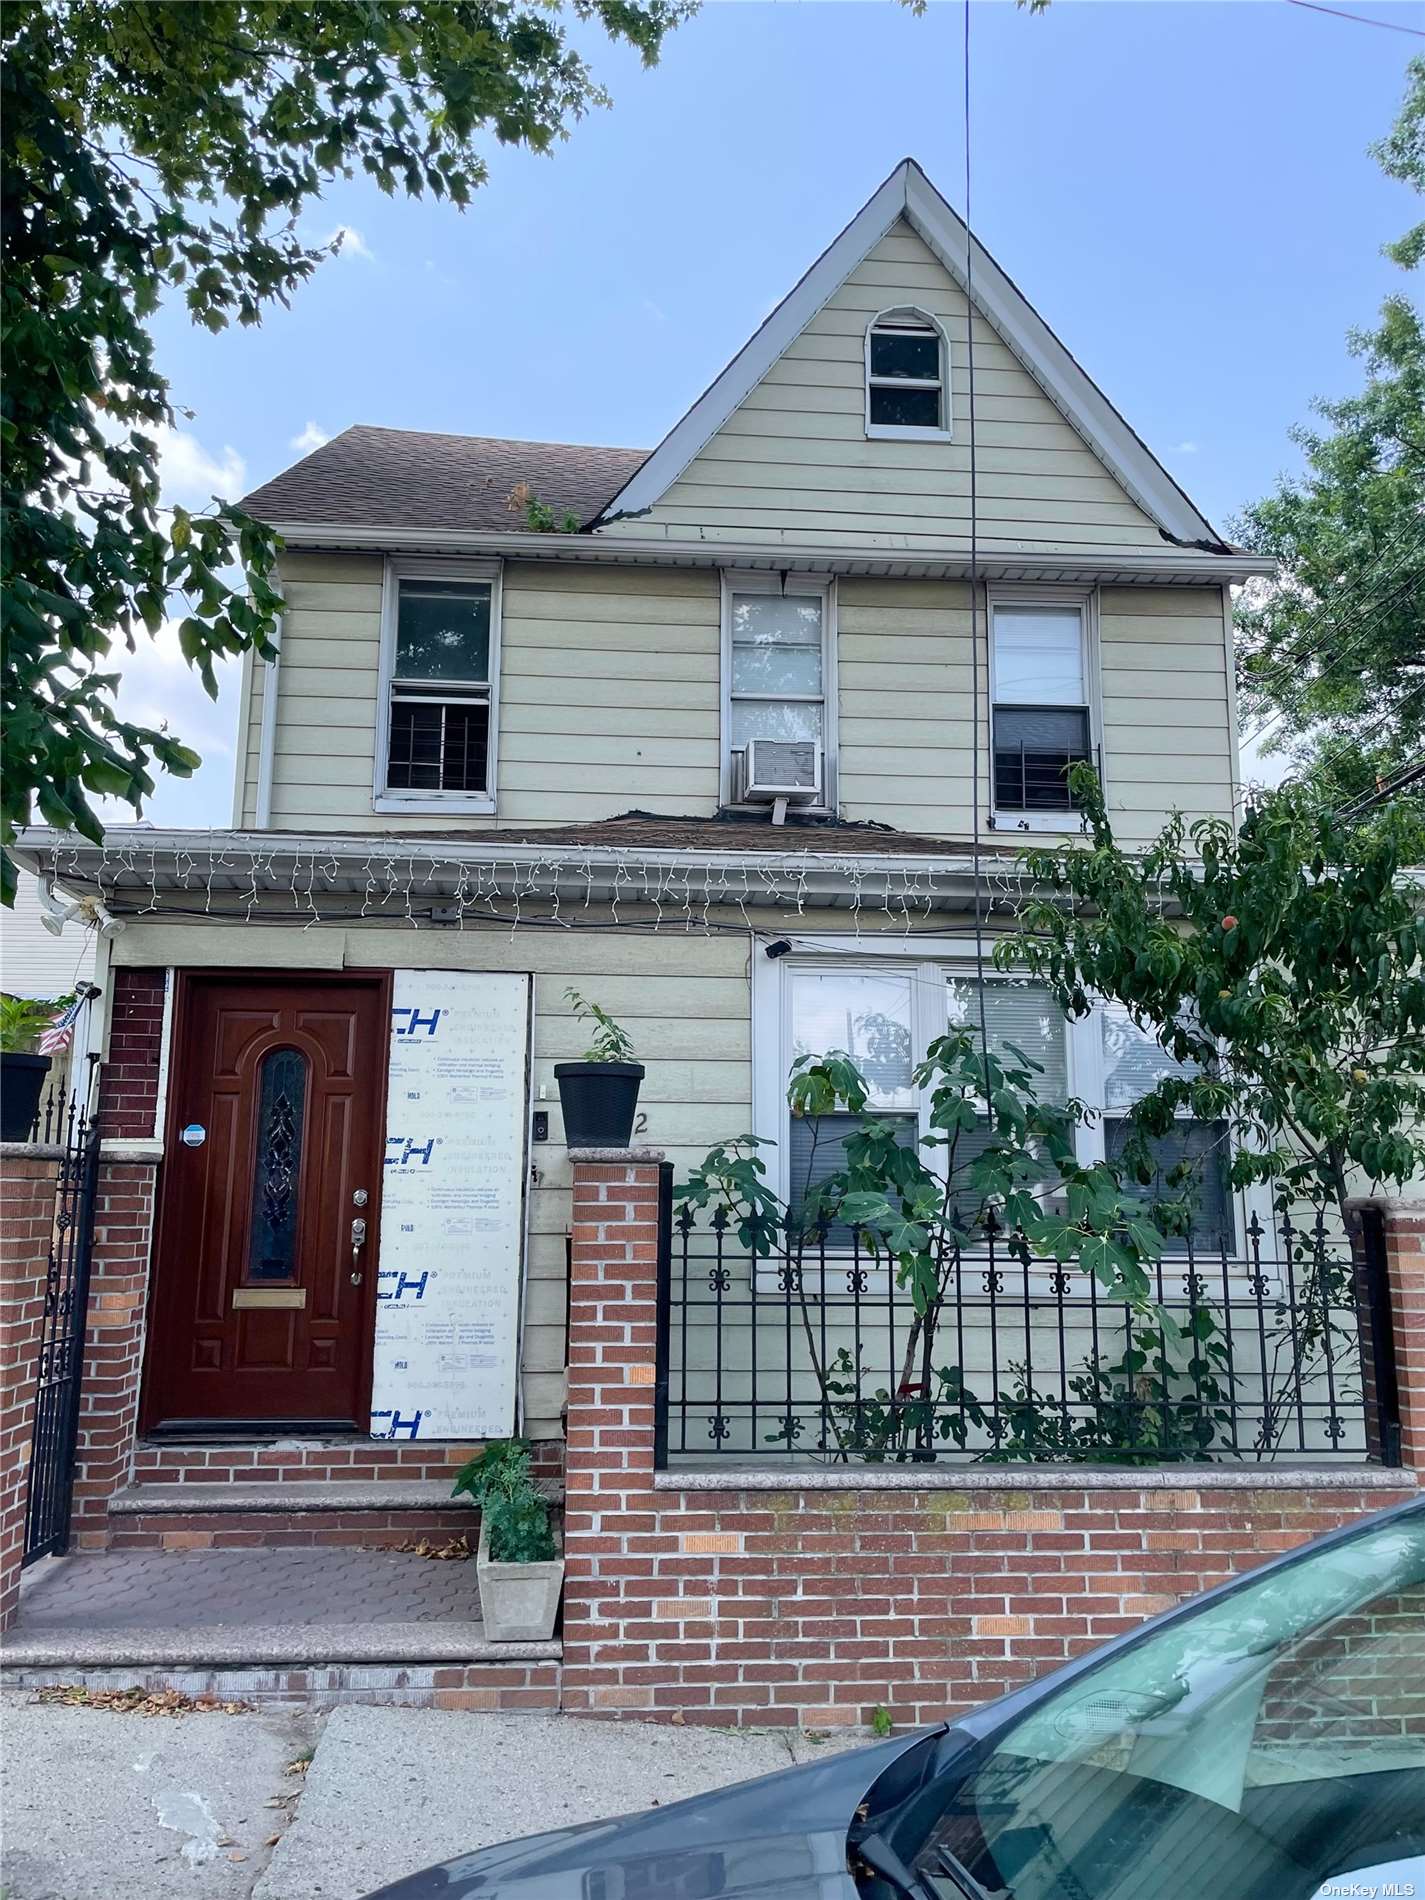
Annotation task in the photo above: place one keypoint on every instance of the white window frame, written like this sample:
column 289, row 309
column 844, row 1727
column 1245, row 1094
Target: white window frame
column 1084, row 602
column 893, row 432
column 824, row 587
column 416, row 568
column 933, row 959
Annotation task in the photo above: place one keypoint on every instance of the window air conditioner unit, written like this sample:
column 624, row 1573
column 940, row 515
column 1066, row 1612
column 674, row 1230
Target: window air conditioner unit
column 780, row 771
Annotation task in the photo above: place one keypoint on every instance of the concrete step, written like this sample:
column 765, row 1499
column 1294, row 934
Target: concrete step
column 314, row 1625
column 367, row 1513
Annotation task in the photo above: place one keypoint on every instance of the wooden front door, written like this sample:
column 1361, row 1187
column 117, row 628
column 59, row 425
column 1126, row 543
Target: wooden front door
column 263, row 1300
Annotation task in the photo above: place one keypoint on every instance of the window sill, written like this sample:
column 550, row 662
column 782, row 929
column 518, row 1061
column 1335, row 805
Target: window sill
column 887, row 432
column 430, row 803
column 763, row 809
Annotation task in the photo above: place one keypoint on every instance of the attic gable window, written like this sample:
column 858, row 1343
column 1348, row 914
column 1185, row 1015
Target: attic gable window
column 439, row 675
column 907, row 380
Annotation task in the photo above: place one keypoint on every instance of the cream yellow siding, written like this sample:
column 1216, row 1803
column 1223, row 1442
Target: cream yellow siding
column 608, row 695
column 905, row 674
column 1167, row 712
column 610, row 700
column 793, row 462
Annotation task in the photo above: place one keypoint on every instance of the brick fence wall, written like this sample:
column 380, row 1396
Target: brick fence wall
column 1405, row 1270
column 113, row 1350
column 128, row 1081
column 815, row 1597
column 26, row 1227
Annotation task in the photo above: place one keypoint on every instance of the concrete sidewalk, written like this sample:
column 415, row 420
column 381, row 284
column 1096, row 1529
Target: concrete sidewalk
column 99, row 1805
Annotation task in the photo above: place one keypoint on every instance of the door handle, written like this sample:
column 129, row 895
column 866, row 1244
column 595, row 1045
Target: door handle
column 358, row 1241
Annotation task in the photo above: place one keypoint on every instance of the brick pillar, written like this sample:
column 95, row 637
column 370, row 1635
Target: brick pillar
column 26, row 1228
column 610, row 1520
column 113, row 1351
column 1403, row 1247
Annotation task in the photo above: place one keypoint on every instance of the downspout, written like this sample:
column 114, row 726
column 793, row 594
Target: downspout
column 267, row 738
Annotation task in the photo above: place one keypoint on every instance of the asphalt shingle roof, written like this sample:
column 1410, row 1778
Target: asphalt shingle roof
column 413, row 478
column 645, row 831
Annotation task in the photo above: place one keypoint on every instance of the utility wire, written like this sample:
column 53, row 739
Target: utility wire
column 1305, row 647
column 974, row 583
column 1401, row 781
column 1407, row 698
column 1405, row 592
column 1360, row 19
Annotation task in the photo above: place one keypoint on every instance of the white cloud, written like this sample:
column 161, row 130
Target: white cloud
column 353, row 244
column 157, row 688
column 1184, row 448
column 312, row 437
column 190, row 475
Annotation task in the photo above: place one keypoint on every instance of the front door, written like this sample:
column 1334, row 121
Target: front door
column 265, row 1277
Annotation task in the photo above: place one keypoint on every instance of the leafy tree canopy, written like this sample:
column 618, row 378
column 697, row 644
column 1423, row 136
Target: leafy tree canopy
column 153, row 150
column 1333, row 656
column 1287, row 962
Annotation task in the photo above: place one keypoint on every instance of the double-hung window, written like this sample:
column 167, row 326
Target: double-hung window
column 885, row 1011
column 1133, row 1063
column 907, row 377
column 778, row 667
column 1043, row 718
column 440, row 671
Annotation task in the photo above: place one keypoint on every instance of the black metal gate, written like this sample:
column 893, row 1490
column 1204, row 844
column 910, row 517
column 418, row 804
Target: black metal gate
column 60, row 1369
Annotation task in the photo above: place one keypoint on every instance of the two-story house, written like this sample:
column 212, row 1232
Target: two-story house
column 739, row 747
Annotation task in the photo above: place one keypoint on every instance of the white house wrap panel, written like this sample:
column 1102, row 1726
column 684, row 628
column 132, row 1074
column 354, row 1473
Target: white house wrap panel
column 452, row 1215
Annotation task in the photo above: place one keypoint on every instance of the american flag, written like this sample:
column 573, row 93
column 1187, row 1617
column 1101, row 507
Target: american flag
column 60, row 1032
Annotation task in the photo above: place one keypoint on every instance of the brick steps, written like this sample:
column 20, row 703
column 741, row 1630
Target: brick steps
column 370, row 1514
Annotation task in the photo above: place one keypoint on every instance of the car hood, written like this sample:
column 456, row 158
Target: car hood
column 782, row 1835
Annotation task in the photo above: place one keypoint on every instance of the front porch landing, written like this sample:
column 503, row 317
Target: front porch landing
column 315, row 1625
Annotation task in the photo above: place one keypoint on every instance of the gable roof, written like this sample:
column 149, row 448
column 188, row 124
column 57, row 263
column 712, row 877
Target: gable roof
column 909, row 194
column 413, row 478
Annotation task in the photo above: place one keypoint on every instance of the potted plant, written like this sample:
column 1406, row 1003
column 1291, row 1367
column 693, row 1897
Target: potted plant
column 520, row 1562
column 22, row 1071
column 599, row 1093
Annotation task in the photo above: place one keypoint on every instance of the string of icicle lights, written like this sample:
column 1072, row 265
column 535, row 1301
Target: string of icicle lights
column 286, row 886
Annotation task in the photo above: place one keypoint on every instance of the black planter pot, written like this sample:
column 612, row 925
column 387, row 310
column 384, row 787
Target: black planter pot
column 600, row 1100
column 22, row 1076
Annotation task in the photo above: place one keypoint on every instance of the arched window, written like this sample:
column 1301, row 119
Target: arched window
column 907, row 375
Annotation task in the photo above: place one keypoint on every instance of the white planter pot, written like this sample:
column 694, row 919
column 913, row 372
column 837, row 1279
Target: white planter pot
column 518, row 1602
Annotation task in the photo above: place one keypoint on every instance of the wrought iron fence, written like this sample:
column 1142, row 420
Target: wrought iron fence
column 60, row 1364
column 1277, row 1351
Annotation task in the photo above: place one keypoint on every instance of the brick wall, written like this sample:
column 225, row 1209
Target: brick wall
column 128, row 1086
column 812, row 1599
column 1405, row 1268
column 1351, row 1685
column 27, row 1189
column 118, row 1291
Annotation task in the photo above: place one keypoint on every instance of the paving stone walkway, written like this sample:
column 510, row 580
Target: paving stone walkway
column 134, row 1590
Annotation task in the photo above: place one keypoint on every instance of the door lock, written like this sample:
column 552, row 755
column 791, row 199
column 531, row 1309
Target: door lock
column 358, row 1241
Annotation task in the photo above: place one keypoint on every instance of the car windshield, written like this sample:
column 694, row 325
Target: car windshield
column 1270, row 1747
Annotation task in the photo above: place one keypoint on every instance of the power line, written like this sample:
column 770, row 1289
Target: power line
column 1407, row 698
column 1400, row 781
column 974, row 585
column 1405, row 592
column 1289, row 661
column 1391, row 26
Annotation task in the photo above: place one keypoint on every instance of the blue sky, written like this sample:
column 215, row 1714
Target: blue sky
column 1182, row 189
